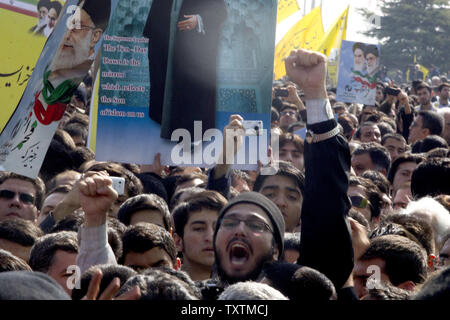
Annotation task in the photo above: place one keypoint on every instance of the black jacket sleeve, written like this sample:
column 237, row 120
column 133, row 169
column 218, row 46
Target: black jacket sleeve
column 326, row 243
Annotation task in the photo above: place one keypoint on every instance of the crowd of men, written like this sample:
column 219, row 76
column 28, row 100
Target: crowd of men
column 357, row 210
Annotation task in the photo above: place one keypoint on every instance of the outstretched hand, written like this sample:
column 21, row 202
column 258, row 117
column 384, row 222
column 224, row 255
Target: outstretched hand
column 110, row 291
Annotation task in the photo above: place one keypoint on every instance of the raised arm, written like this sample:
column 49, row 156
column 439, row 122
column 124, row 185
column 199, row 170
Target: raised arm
column 326, row 243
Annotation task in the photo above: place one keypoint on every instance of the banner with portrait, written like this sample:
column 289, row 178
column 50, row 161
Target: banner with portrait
column 359, row 68
column 21, row 46
column 64, row 62
column 172, row 73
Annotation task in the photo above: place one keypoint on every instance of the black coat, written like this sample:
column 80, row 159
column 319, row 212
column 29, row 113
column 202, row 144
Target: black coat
column 194, row 65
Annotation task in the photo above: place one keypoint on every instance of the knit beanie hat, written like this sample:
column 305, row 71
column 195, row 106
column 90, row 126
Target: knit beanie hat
column 28, row 285
column 269, row 208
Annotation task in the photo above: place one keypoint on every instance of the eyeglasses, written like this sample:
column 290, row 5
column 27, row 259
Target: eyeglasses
column 256, row 226
column 24, row 197
column 74, row 25
column 359, row 202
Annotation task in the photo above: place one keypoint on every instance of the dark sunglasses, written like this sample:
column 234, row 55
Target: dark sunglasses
column 24, row 197
column 359, row 202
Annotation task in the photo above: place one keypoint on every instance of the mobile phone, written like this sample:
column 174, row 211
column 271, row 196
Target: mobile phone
column 118, row 184
column 281, row 92
column 252, row 127
column 392, row 91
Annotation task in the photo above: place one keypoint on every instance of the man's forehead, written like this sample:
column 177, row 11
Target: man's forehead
column 246, row 210
column 394, row 141
column 289, row 146
column 277, row 181
column 18, row 183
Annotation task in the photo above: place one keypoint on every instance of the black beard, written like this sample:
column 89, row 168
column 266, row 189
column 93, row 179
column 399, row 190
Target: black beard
column 252, row 275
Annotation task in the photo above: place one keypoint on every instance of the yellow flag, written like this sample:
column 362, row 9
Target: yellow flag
column 424, row 71
column 306, row 34
column 286, row 8
column 18, row 56
column 335, row 34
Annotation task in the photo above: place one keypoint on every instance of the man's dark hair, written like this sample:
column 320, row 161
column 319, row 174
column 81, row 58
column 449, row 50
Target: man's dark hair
column 362, row 125
column 437, row 287
column 347, row 125
column 431, row 178
column 431, row 142
column 432, row 121
column 77, row 130
column 144, row 202
column 109, row 272
column 160, row 286
column 115, row 224
column 188, row 192
column 378, row 154
column 423, row 85
column 115, row 242
column 359, row 217
column 385, row 128
column 44, row 249
column 132, row 184
column 274, row 114
column 373, row 194
column 285, row 169
column 81, row 155
column 79, row 118
column 395, row 136
column 153, row 183
column 383, row 290
column 419, row 228
column 181, row 275
column 438, row 153
column 404, row 259
column 71, row 222
column 378, row 179
column 402, row 158
column 57, row 159
column 55, row 5
column 43, row 3
column 142, row 237
column 292, row 138
column 443, row 85
column 20, row 231
column 299, row 283
column 192, row 176
column 208, row 199
column 38, row 184
column 9, row 262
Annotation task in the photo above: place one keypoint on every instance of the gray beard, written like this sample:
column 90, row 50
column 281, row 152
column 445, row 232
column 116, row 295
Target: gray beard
column 69, row 60
column 41, row 22
column 359, row 67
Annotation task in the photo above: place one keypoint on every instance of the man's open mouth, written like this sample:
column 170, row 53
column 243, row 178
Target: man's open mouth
column 239, row 253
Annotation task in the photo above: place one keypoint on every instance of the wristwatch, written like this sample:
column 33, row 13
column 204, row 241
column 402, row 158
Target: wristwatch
column 312, row 137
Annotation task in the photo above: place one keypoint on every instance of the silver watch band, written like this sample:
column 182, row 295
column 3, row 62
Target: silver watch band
column 312, row 137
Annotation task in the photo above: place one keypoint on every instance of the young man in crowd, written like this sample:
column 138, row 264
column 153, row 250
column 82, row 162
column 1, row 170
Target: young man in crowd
column 195, row 222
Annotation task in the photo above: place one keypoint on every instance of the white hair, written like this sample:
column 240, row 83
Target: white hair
column 251, row 290
column 432, row 211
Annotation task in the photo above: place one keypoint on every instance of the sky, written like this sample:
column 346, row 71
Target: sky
column 331, row 10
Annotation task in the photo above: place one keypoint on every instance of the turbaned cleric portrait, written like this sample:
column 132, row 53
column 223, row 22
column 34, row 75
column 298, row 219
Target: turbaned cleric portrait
column 195, row 49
